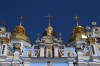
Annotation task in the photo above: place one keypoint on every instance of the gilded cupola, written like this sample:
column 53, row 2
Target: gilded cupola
column 77, row 32
column 20, row 32
column 49, row 30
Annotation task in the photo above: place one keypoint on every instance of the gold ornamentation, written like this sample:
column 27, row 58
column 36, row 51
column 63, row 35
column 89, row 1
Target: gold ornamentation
column 49, row 47
column 78, row 29
column 9, row 53
column 5, row 41
column 78, row 32
column 49, row 29
column 91, row 40
column 20, row 32
column 17, row 46
column 78, row 47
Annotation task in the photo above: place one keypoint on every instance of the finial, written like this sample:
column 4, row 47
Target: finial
column 76, row 17
column 60, row 35
column 3, row 23
column 49, row 18
column 88, row 28
column 21, row 17
column 8, row 28
column 38, row 35
column 94, row 23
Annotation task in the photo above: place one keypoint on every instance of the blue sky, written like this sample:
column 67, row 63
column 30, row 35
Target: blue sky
column 62, row 11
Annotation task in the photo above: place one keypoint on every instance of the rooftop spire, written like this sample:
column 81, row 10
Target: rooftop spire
column 38, row 35
column 49, row 18
column 76, row 17
column 21, row 17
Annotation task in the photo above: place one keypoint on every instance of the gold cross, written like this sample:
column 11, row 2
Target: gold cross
column 3, row 23
column 49, row 18
column 21, row 17
column 76, row 17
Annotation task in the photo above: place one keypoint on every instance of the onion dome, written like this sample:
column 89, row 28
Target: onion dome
column 20, row 33
column 49, row 30
column 77, row 33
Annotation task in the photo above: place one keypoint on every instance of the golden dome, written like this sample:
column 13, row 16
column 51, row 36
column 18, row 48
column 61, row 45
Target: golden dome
column 77, row 33
column 20, row 33
column 49, row 31
column 78, row 29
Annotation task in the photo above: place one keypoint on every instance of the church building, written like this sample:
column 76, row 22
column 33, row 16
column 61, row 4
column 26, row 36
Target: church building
column 82, row 48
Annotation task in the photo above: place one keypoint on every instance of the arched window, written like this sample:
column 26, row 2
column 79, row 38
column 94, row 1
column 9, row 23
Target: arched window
column 83, row 45
column 86, row 53
column 29, row 53
column 3, row 49
column 49, row 51
column 99, row 49
column 68, row 53
column 9, row 53
column 93, row 49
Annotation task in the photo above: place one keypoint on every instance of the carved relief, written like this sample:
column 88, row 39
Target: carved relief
column 91, row 40
column 5, row 41
column 16, row 46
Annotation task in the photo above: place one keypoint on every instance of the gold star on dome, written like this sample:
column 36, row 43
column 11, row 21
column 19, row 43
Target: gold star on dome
column 76, row 17
column 49, row 18
column 21, row 17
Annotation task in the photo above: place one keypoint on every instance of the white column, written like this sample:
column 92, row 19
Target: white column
column 16, row 54
column 41, row 51
column 56, row 51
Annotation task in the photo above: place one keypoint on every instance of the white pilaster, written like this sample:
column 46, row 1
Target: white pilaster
column 56, row 51
column 41, row 51
column 16, row 54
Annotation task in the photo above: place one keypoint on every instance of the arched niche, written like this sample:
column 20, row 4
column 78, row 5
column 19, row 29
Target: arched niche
column 30, row 53
column 68, row 53
column 86, row 53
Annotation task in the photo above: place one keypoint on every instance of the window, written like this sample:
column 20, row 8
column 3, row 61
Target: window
column 83, row 45
column 3, row 48
column 68, row 53
column 93, row 49
column 29, row 53
column 86, row 53
column 89, row 35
